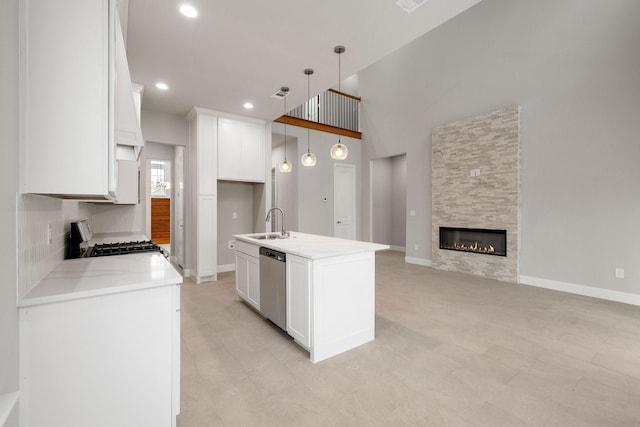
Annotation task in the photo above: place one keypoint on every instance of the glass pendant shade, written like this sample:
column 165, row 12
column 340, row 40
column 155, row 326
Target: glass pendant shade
column 285, row 166
column 309, row 159
column 339, row 151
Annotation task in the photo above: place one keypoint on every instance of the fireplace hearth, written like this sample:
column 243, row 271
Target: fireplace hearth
column 474, row 240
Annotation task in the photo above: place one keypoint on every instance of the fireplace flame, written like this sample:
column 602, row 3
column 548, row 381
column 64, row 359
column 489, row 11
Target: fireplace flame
column 474, row 248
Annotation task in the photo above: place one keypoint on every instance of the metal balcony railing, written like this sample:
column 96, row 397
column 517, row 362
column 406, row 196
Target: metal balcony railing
column 331, row 108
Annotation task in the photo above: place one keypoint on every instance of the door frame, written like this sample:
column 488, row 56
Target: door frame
column 352, row 182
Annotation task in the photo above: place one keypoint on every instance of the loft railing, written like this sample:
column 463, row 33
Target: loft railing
column 330, row 111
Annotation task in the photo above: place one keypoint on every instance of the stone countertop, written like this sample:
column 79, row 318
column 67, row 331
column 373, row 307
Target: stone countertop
column 312, row 246
column 90, row 277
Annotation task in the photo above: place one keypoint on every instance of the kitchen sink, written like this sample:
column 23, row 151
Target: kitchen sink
column 272, row 236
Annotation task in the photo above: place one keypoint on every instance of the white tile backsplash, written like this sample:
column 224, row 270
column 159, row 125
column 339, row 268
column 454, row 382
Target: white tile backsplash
column 36, row 257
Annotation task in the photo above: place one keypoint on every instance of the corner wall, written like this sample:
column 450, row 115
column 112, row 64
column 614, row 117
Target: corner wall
column 572, row 67
column 9, row 141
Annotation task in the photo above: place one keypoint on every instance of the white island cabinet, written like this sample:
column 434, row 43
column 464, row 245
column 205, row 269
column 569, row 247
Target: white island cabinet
column 100, row 344
column 248, row 273
column 330, row 290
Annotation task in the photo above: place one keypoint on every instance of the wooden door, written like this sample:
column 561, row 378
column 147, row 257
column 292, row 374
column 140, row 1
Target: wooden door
column 161, row 220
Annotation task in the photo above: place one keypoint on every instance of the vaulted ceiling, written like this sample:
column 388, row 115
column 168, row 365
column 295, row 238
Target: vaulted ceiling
column 243, row 51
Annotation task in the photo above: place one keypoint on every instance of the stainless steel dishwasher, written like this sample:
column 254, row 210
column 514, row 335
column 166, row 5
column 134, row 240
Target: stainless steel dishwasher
column 273, row 285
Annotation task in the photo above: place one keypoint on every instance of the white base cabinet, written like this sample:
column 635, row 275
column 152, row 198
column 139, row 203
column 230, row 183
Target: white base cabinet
column 343, row 304
column 111, row 360
column 331, row 303
column 299, row 300
column 248, row 273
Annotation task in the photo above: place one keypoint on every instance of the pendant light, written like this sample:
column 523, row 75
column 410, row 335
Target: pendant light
column 339, row 151
column 308, row 159
column 285, row 166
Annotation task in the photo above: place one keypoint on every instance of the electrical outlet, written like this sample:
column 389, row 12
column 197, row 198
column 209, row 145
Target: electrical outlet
column 619, row 273
column 49, row 235
column 412, row 213
column 235, row 215
column 232, row 244
column 416, row 247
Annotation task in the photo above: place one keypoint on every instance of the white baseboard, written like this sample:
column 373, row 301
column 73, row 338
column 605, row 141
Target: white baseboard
column 397, row 248
column 203, row 279
column 226, row 267
column 418, row 261
column 588, row 291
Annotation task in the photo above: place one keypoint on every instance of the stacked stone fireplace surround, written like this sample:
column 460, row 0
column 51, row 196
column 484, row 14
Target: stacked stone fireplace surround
column 475, row 178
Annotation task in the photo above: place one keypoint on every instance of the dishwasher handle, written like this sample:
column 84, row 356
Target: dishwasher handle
column 273, row 254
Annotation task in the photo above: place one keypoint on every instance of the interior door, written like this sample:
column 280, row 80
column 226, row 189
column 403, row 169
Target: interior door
column 344, row 208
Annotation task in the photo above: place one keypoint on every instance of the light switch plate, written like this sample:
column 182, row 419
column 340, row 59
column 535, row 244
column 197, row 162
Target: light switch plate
column 619, row 273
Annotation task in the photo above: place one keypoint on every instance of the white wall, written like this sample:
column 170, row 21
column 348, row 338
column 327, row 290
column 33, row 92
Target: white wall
column 398, row 235
column 164, row 128
column 573, row 66
column 9, row 177
column 381, row 201
column 233, row 197
column 389, row 196
column 314, row 215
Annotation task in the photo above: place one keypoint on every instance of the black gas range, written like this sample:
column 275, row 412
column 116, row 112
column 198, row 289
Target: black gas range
column 124, row 248
column 80, row 235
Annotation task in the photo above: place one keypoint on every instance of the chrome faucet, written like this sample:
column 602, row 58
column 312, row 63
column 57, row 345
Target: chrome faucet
column 283, row 232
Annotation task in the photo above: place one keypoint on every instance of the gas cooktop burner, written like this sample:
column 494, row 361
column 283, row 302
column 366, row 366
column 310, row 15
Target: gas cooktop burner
column 107, row 249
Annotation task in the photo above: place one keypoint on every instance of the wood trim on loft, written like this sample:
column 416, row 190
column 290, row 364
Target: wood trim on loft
column 294, row 121
column 357, row 98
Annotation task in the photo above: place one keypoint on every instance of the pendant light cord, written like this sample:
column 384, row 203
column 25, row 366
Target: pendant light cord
column 339, row 90
column 285, row 128
column 308, row 110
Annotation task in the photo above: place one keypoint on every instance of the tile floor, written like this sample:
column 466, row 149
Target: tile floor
column 450, row 350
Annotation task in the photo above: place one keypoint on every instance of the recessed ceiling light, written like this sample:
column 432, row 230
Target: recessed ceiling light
column 248, row 105
column 162, row 86
column 188, row 10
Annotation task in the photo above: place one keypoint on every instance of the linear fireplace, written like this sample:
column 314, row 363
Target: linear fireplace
column 475, row 240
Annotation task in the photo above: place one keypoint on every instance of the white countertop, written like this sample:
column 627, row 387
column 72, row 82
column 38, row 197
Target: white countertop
column 89, row 277
column 313, row 246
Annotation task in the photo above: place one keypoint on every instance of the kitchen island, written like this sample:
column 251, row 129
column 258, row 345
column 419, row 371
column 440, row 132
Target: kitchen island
column 330, row 288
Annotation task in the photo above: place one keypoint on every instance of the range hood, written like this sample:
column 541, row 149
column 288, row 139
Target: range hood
column 128, row 152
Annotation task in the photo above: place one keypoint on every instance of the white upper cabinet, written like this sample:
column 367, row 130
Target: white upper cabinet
column 72, row 114
column 241, row 151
